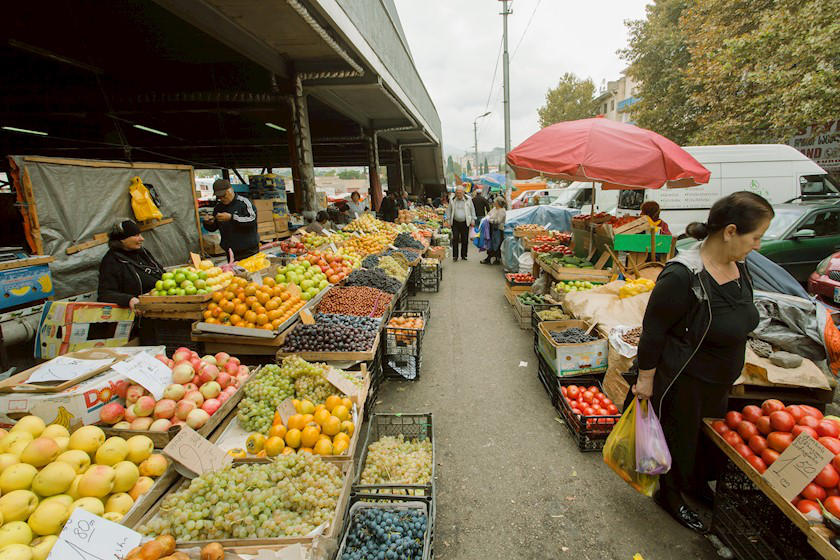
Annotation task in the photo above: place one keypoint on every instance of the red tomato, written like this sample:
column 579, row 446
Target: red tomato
column 769, row 456
column 763, row 425
column 809, row 421
column 811, row 411
column 607, row 401
column 795, row 410
column 828, row 477
column 587, row 396
column 836, row 461
column 832, row 504
column 830, row 443
column 828, row 428
column 808, row 506
column 602, row 412
column 832, row 492
column 757, row 463
column 747, row 430
column 799, row 429
column 771, row 405
column 782, row 421
column 814, row 492
column 732, row 438
column 593, row 389
column 720, row 427
column 589, row 411
column 564, row 390
column 752, row 413
column 757, row 443
column 744, row 451
column 612, row 409
column 779, row 441
column 733, row 418
column 573, row 391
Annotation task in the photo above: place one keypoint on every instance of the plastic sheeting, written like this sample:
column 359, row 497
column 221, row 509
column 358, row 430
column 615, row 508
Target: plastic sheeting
column 551, row 217
column 77, row 199
column 767, row 276
column 790, row 323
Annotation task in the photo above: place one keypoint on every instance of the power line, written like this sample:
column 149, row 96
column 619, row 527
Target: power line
column 493, row 80
column 527, row 26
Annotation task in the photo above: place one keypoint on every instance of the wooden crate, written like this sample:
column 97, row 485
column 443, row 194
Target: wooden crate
column 146, row 299
column 639, row 225
column 512, row 291
column 522, row 314
column 567, row 273
column 142, row 506
column 186, row 311
column 17, row 383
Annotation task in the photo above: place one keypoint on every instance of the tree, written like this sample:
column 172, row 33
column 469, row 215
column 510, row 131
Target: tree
column 350, row 174
column 570, row 100
column 450, row 165
column 486, row 167
column 469, row 168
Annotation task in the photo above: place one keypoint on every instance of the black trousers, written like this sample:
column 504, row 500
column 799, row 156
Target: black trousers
column 239, row 254
column 460, row 239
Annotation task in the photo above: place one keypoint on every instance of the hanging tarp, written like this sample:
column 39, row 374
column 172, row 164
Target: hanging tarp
column 551, row 217
column 68, row 202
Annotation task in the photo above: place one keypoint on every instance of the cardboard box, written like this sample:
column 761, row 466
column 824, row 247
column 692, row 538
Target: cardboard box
column 572, row 359
column 69, row 326
column 25, row 283
column 265, row 211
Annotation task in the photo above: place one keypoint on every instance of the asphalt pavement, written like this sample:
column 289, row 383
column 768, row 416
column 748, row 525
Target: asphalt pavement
column 511, row 482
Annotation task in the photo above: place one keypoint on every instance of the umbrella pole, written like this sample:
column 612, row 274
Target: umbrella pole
column 592, row 225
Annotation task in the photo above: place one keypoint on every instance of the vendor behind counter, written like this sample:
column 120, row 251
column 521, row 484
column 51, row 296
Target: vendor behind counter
column 127, row 269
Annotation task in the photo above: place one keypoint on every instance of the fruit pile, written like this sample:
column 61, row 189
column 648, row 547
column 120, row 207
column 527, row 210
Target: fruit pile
column 567, row 260
column 200, row 386
column 327, row 337
column 293, row 247
column 559, row 250
column 190, row 281
column 47, row 472
column 403, row 328
column 527, row 298
column 599, row 218
column 255, row 263
column 313, row 240
column 355, row 300
column 394, row 269
column 520, row 278
column 288, row 497
column 365, row 223
column 571, row 286
column 334, row 267
column 396, row 460
column 406, row 240
column 311, row 280
column 635, row 287
column 255, row 306
column 588, row 401
column 553, row 315
column 617, row 222
column 632, row 336
column 370, row 261
column 375, row 278
column 385, row 533
column 554, row 237
column 529, row 230
column 573, row 335
column 761, row 434
column 355, row 321
column 409, row 255
column 325, row 429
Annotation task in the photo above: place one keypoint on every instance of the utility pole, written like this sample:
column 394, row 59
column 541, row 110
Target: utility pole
column 506, row 73
column 475, row 135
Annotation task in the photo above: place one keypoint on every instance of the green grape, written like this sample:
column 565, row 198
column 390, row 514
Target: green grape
column 395, row 460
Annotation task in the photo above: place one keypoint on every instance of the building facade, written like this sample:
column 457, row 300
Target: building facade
column 616, row 99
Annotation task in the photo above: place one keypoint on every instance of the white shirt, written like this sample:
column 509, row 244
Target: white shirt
column 459, row 209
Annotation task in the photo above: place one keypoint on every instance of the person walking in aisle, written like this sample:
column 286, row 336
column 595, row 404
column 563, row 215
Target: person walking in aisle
column 235, row 218
column 481, row 205
column 496, row 217
column 693, row 340
column 388, row 208
column 460, row 217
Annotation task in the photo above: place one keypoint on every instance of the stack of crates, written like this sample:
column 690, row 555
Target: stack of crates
column 430, row 275
column 403, row 346
column 269, row 187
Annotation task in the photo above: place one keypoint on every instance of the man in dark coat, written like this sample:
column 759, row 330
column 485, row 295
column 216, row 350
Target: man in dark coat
column 236, row 220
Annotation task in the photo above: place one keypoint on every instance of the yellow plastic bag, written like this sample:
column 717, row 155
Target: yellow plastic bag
column 620, row 453
column 141, row 202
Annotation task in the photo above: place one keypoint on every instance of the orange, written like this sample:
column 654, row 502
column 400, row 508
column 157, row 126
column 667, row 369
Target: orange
column 207, row 314
column 250, row 289
column 275, row 324
column 262, row 319
column 332, row 426
column 213, row 305
column 229, row 295
column 278, row 291
column 217, row 296
column 259, row 309
column 224, row 318
column 249, row 326
column 250, row 317
column 285, row 296
column 274, row 314
column 274, row 446
column 251, row 300
column 322, row 416
column 309, row 436
column 268, row 282
column 287, row 451
column 213, row 321
column 277, row 430
column 296, row 422
column 332, row 402
column 235, row 319
column 227, row 306
column 324, row 447
column 262, row 297
column 272, row 304
column 307, row 418
column 240, row 309
column 292, row 438
column 267, row 327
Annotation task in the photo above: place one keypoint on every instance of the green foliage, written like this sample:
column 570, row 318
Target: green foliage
column 469, row 168
column 570, row 100
column 350, row 174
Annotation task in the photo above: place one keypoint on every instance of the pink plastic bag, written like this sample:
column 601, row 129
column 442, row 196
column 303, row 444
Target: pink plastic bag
column 652, row 455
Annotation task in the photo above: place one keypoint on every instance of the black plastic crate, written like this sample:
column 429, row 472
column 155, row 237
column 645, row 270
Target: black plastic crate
column 404, row 341
column 413, row 280
column 750, row 524
column 171, row 333
column 412, row 426
column 363, row 501
column 535, row 319
column 402, row 366
column 423, row 306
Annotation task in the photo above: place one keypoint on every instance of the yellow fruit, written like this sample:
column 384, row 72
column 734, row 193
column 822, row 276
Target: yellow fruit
column 76, row 458
column 309, row 436
column 255, row 443
column 126, row 475
column 55, row 431
column 32, row 424
column 97, row 482
column 339, row 447
column 292, row 440
column 322, row 415
column 348, row 427
column 53, row 479
column 296, row 404
column 62, row 442
column 41, row 547
column 65, row 499
column 17, row 447
column 48, row 518
column 143, row 485
column 13, row 437
column 17, row 477
column 332, row 402
column 274, row 446
column 154, row 465
column 114, row 516
column 341, row 436
column 93, row 505
column 324, row 436
column 237, row 453
column 87, row 438
column 119, row 503
column 277, row 430
column 114, row 450
column 342, row 413
column 307, row 418
column 7, row 460
column 306, row 407
column 15, row 532
column 347, row 403
column 324, row 447
column 287, row 451
column 139, row 449
column 319, row 408
column 18, row 505
column 332, row 426
column 295, row 422
column 303, row 450
column 16, row 551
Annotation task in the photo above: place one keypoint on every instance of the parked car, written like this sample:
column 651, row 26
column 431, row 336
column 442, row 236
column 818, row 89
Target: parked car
column 824, row 282
column 801, row 235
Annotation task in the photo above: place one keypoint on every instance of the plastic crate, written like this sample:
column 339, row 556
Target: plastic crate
column 750, row 524
column 401, row 341
column 398, row 503
column 412, row 426
column 424, row 306
column 403, row 367
column 429, row 276
column 535, row 319
column 413, row 280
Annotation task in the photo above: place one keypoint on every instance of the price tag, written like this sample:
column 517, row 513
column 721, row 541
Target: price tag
column 196, row 454
column 256, row 278
column 64, row 368
column 341, row 383
column 797, row 466
column 146, row 371
column 333, row 248
column 286, row 410
column 294, row 289
column 306, row 317
column 86, row 536
column 196, row 260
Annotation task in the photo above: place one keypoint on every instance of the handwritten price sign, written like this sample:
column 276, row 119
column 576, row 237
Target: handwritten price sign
column 191, row 450
column 89, row 537
column 797, row 466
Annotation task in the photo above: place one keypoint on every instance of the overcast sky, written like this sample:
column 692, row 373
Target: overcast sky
column 455, row 44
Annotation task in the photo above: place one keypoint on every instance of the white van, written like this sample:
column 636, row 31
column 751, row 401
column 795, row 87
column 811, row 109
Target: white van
column 777, row 172
column 578, row 196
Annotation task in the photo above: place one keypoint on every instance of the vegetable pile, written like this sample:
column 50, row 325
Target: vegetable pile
column 573, row 335
column 574, row 286
column 553, row 248
column 527, row 298
column 588, row 401
column 520, row 278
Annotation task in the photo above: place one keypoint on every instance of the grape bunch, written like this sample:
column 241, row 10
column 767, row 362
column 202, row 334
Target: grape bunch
column 395, row 460
column 270, row 386
column 375, row 278
column 288, row 497
column 405, row 240
column 403, row 256
column 392, row 268
column 355, row 321
column 370, row 261
column 391, row 534
column 328, row 337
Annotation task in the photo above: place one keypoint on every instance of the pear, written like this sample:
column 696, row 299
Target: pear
column 93, row 505
column 126, row 474
column 73, row 491
column 8, row 459
column 114, row 450
column 110, row 516
column 53, row 479
column 41, row 547
column 17, row 477
column 15, row 532
column 139, row 448
column 32, row 424
column 18, row 505
column 119, row 503
column 76, row 458
column 55, row 431
column 40, row 451
column 48, row 518
column 87, row 438
column 97, row 482
column 11, row 438
column 16, row 552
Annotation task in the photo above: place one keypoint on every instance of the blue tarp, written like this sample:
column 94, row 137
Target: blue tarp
column 768, row 276
column 552, row 217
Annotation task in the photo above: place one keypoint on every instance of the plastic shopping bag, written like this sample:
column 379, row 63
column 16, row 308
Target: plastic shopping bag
column 652, row 455
column 620, row 453
column 141, row 202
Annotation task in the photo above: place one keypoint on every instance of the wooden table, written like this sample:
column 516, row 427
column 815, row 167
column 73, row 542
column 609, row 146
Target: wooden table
column 818, row 536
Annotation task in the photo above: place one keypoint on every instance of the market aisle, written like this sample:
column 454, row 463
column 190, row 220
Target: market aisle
column 511, row 483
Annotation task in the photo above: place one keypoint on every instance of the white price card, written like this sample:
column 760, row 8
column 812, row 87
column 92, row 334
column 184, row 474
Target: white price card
column 86, row 536
column 341, row 383
column 148, row 372
column 333, row 248
column 64, row 368
column 189, row 449
column 797, row 466
column 286, row 409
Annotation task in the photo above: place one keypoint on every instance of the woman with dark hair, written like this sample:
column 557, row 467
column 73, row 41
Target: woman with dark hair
column 693, row 341
column 496, row 217
column 651, row 210
column 322, row 218
column 127, row 269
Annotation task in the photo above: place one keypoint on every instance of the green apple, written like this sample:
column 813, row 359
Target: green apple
column 167, row 276
column 159, row 285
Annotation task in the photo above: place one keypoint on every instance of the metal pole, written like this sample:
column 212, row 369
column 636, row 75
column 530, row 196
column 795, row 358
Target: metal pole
column 475, row 138
column 506, row 73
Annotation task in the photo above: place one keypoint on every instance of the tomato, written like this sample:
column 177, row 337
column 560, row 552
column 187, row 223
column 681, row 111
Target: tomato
column 564, row 390
column 747, row 430
column 795, row 410
column 781, row 421
column 832, row 492
column 757, row 463
column 589, row 411
column 828, row 477
column 607, row 401
column 733, row 418
column 809, row 421
column 778, row 441
column 811, row 411
column 612, row 410
column 602, row 412
column 573, row 391
column 744, row 451
column 752, row 413
column 587, row 396
column 836, row 461
column 593, row 389
column 720, row 427
column 810, row 509
column 771, row 405
column 757, row 443
column 828, row 428
column 830, row 443
column 832, row 504
column 799, row 429
column 732, row 438
column 814, row 492
column 769, row 456
column 763, row 425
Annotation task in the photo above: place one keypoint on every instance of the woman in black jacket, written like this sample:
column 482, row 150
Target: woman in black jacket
column 693, row 341
column 127, row 269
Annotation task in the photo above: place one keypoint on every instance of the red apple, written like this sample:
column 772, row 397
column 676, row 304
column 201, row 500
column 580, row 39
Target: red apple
column 771, row 405
column 782, row 421
column 763, row 425
column 828, row 428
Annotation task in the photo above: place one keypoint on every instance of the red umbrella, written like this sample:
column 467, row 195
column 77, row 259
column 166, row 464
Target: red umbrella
column 619, row 155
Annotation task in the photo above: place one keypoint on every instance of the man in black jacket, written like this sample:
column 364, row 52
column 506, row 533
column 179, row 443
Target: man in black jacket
column 481, row 206
column 388, row 209
column 235, row 218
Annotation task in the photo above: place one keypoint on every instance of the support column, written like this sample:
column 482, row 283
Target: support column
column 375, row 188
column 300, row 147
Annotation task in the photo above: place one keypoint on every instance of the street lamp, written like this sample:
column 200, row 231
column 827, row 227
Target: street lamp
column 475, row 134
